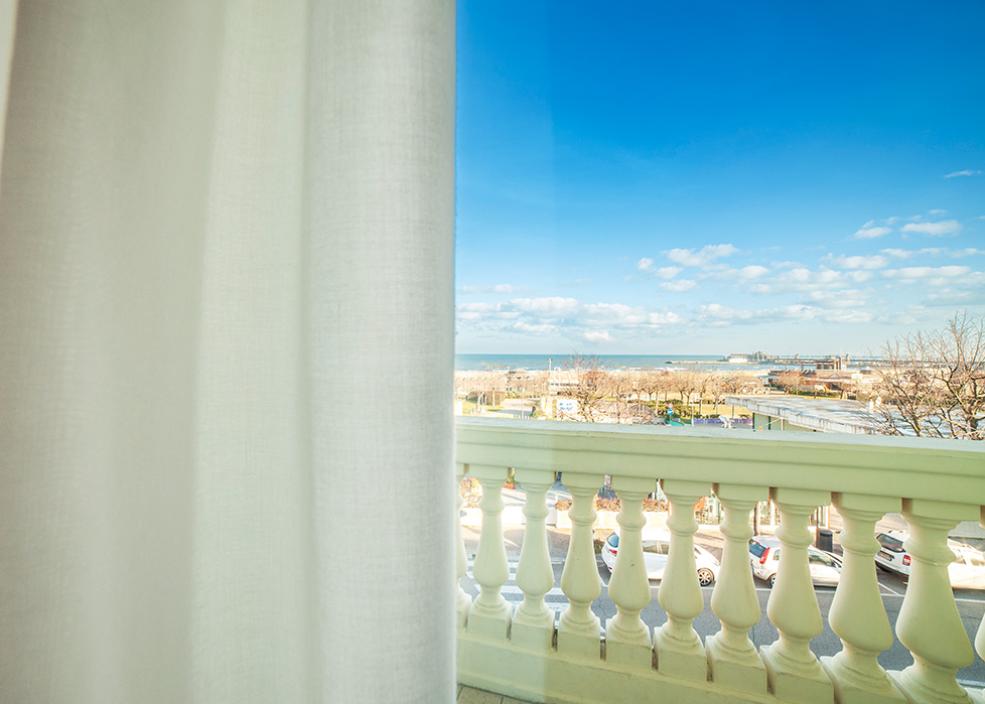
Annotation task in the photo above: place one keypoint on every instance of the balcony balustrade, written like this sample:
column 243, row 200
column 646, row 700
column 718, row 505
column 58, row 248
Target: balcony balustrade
column 578, row 659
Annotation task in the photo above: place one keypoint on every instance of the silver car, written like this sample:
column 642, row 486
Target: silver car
column 764, row 556
column 656, row 549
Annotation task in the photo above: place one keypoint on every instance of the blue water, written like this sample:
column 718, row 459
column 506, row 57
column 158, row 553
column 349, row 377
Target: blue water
column 472, row 362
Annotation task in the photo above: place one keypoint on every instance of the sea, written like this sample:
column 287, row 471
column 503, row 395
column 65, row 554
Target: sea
column 706, row 362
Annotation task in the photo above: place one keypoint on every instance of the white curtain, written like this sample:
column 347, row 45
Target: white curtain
column 226, row 310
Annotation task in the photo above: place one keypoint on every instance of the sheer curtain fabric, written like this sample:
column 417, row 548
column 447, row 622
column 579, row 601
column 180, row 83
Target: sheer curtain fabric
column 226, row 343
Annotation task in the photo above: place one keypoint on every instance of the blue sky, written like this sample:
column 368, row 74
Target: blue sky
column 655, row 177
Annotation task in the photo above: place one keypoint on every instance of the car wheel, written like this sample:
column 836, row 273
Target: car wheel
column 706, row 577
column 772, row 580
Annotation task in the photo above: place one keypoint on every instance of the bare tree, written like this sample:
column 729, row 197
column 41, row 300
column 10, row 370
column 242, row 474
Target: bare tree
column 616, row 388
column 933, row 384
column 685, row 384
column 703, row 384
column 790, row 381
column 731, row 384
column 715, row 388
column 590, row 388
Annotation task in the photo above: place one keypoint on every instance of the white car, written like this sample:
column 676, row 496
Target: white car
column 764, row 556
column 656, row 548
column 966, row 571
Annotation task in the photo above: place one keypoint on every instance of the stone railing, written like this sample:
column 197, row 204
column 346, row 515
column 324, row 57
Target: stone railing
column 525, row 654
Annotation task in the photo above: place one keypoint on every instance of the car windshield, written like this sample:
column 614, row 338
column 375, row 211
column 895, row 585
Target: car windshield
column 820, row 558
column 890, row 543
column 613, row 540
column 756, row 549
column 655, row 547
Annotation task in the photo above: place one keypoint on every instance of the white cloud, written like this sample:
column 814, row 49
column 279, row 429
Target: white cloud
column 963, row 172
column 550, row 305
column 668, row 318
column 913, row 273
column 503, row 288
column 861, row 262
column 870, row 231
column 608, row 313
column 701, row 257
column 801, row 279
column 718, row 315
column 665, row 272
column 934, row 229
column 934, row 252
column 535, row 328
column 566, row 317
column 596, row 336
column 845, row 298
column 753, row 271
column 847, row 315
column 678, row 286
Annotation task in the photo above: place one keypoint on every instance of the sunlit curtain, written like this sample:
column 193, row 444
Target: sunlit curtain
column 226, row 351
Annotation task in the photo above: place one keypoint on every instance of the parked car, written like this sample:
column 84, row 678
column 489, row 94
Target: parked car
column 892, row 556
column 656, row 548
column 966, row 571
column 764, row 556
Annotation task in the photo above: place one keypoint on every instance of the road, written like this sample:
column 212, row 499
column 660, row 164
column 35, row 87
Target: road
column 971, row 604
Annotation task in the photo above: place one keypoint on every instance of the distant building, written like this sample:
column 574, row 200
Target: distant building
column 748, row 358
column 562, row 381
column 833, row 363
column 805, row 414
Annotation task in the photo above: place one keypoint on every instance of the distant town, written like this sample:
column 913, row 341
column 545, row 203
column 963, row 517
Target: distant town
column 678, row 392
column 928, row 386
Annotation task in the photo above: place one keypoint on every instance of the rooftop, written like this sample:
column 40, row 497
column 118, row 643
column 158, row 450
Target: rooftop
column 825, row 415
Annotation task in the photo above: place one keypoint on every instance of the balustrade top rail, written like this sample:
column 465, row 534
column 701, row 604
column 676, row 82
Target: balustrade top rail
column 937, row 470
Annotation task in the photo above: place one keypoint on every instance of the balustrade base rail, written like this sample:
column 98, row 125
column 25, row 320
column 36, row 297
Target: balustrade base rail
column 552, row 678
column 557, row 679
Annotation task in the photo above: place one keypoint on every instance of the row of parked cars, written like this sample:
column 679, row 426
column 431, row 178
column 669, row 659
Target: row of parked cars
column 966, row 571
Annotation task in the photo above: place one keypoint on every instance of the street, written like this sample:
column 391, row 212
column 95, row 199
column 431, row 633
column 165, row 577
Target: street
column 971, row 604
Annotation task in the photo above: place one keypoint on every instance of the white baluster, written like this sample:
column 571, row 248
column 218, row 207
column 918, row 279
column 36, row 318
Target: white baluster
column 680, row 652
column 533, row 622
column 627, row 638
column 929, row 623
column 579, row 631
column 463, row 600
column 793, row 671
column 732, row 658
column 980, row 635
column 490, row 614
column 857, row 613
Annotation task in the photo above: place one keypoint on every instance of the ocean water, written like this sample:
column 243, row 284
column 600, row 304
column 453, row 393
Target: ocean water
column 478, row 362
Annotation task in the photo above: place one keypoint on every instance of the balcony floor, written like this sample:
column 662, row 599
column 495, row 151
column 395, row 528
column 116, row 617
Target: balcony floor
column 470, row 695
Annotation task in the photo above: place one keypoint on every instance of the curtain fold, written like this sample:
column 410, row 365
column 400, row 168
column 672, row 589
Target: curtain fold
column 226, row 348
